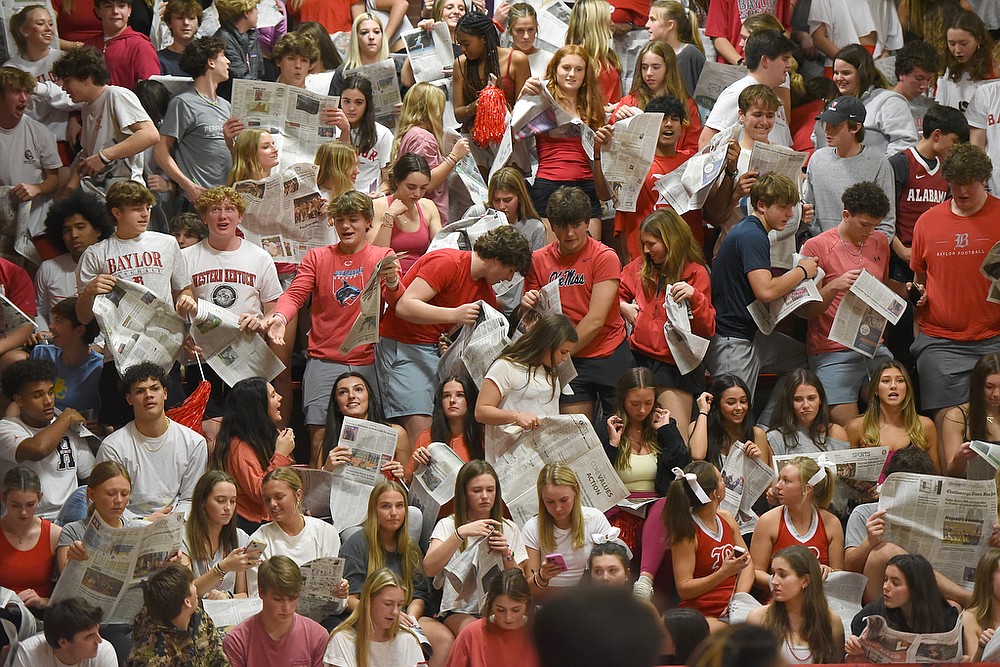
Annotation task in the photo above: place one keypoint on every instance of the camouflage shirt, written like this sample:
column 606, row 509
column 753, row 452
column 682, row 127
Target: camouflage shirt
column 159, row 644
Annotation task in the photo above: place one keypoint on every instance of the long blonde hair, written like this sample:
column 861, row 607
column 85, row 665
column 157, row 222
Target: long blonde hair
column 588, row 27
column 423, row 107
column 360, row 619
column 871, row 433
column 686, row 20
column 354, row 50
column 336, row 161
column 246, row 165
column 559, row 474
column 588, row 99
column 410, row 555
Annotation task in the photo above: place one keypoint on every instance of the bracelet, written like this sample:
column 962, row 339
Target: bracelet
column 218, row 571
column 509, row 555
column 804, row 272
column 460, row 538
column 283, row 318
column 702, row 414
column 535, row 578
column 449, row 159
column 105, row 160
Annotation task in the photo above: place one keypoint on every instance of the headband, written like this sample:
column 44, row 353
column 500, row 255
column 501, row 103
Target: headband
column 826, row 467
column 692, row 482
column 613, row 535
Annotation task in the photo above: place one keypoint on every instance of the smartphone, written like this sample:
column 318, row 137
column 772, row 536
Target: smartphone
column 257, row 546
column 913, row 294
column 739, row 552
column 558, row 560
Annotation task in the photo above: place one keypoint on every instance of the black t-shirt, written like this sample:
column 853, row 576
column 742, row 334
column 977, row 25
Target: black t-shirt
column 744, row 249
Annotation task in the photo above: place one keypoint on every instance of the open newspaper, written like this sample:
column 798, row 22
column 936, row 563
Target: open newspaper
column 290, row 114
column 990, row 268
column 315, row 491
column 688, row 349
column 715, row 78
column 320, row 578
column 227, row 614
column 120, row 559
column 286, row 214
column 430, row 52
column 841, row 589
column 476, row 345
column 138, row 326
column 372, row 446
column 232, row 353
column 462, row 234
column 858, row 469
column 687, row 188
column 385, row 89
column 13, row 317
column 767, row 315
column 947, row 520
column 466, row 187
column 568, row 439
column 364, row 331
column 433, row 485
column 768, row 158
column 625, row 161
column 470, row 571
column 884, row 645
column 537, row 114
column 553, row 24
column 746, row 479
column 863, row 312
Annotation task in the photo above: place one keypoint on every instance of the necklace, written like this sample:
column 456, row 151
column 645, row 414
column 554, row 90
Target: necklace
column 855, row 258
column 800, row 658
column 20, row 539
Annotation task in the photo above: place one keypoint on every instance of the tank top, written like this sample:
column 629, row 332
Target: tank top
column 507, row 84
column 414, row 244
column 714, row 548
column 924, row 188
column 814, row 539
column 640, row 476
column 28, row 569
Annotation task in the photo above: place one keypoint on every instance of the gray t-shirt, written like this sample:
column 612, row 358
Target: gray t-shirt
column 856, row 532
column 804, row 444
column 200, row 149
column 73, row 532
column 354, row 551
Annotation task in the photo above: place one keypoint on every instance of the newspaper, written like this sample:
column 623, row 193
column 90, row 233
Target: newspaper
column 553, row 24
column 430, row 52
column 385, row 89
column 320, row 578
column 364, row 331
column 627, row 159
column 858, row 471
column 628, row 46
column 947, row 520
column 688, row 349
column 863, row 312
column 841, row 589
column 372, row 446
column 469, row 571
column 476, row 345
column 13, row 317
column 715, row 78
column 285, row 213
column 175, row 85
column 988, row 451
column 746, row 479
column 433, row 485
column 315, row 491
column 138, row 326
column 466, row 187
column 290, row 114
column 990, row 268
column 462, row 234
column 887, row 66
column 233, row 354
column 882, row 644
column 538, row 114
column 227, row 614
column 767, row 315
column 119, row 560
column 8, row 48
column 569, row 439
column 768, row 158
column 687, row 188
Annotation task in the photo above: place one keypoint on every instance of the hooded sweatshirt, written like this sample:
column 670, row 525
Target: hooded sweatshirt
column 130, row 57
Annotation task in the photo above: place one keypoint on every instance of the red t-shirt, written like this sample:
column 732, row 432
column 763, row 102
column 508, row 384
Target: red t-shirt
column 334, row 16
column 627, row 224
column 610, row 83
column 449, row 273
column 711, row 553
column 949, row 249
column 562, row 159
column 335, row 281
column 833, row 257
column 577, row 276
column 816, row 541
column 647, row 335
column 15, row 283
column 726, row 17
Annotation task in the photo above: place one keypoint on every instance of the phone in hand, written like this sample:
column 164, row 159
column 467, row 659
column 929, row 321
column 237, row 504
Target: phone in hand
column 739, row 552
column 913, row 294
column 558, row 560
column 255, row 546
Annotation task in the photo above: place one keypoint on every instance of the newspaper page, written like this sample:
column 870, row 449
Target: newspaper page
column 715, row 78
column 471, row 570
column 887, row 66
column 626, row 160
column 484, row 350
column 843, row 591
column 315, row 491
column 884, row 645
column 746, row 479
column 990, row 268
column 385, row 89
column 462, row 234
column 320, row 578
column 569, row 439
column 286, row 214
column 768, row 158
column 537, row 114
column 947, row 520
column 430, row 52
column 138, row 326
column 232, row 353
column 364, row 331
column 687, row 188
column 433, row 485
column 290, row 114
column 767, row 315
column 119, row 560
column 863, row 312
column 13, row 317
column 372, row 446
column 858, row 470
column 227, row 614
column 553, row 24
column 988, row 451
column 688, row 349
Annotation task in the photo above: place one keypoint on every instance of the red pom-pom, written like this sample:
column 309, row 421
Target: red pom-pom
column 491, row 116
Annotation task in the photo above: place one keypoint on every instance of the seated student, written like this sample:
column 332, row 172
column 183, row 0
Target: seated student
column 728, row 420
column 375, row 632
column 27, row 567
column 238, row 29
column 801, row 422
column 129, row 54
column 188, row 229
column 277, row 635
column 36, row 438
column 163, row 458
column 172, row 629
column 798, row 612
column 78, row 367
column 683, row 629
column 910, row 602
column 71, row 637
column 111, row 150
column 453, row 423
column 976, row 419
column 982, row 617
column 182, row 18
column 609, row 564
column 743, row 274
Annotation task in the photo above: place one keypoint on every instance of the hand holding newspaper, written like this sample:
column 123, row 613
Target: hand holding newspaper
column 232, row 353
column 13, row 317
column 687, row 349
column 385, row 86
column 433, row 485
column 430, row 52
column 320, row 578
column 768, row 158
column 687, row 188
column 863, row 312
column 138, row 326
column 476, row 345
column 470, row 571
column 715, row 78
column 767, row 315
column 990, row 268
column 746, row 479
column 364, row 331
column 372, row 446
column 315, row 491
column 626, row 160
column 882, row 644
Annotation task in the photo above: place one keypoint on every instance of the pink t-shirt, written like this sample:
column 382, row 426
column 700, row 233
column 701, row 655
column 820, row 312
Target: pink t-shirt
column 835, row 260
column 249, row 645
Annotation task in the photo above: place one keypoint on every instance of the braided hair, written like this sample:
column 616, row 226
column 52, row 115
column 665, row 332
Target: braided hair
column 480, row 25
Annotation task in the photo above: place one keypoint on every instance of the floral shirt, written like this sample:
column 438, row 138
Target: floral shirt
column 159, row 644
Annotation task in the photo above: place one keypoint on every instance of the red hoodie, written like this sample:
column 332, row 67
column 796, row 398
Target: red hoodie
column 130, row 57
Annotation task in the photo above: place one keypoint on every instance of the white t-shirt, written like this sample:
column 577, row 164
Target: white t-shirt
column 164, row 470
column 984, row 114
column 444, row 529
column 958, row 95
column 106, row 122
column 318, row 539
column 36, row 652
column 371, row 163
column 152, row 259
column 865, row 16
column 521, row 393
column 239, row 280
column 401, row 651
column 55, row 281
column 726, row 112
column 50, row 105
column 60, row 472
column 29, row 148
column 200, row 567
column 594, row 522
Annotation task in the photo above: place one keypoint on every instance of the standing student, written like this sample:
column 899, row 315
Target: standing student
column 985, row 126
column 916, row 68
column 372, row 140
column 483, row 57
column 725, row 19
column 522, row 24
column 590, row 27
column 238, row 29
column 408, row 221
column 968, row 62
column 130, row 55
column 182, row 18
column 672, row 22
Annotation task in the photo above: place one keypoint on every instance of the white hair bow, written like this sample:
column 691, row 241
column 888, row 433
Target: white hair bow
column 612, row 535
column 692, row 482
column 826, row 467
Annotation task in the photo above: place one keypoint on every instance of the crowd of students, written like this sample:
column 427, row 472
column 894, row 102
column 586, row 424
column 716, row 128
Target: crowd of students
column 111, row 177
